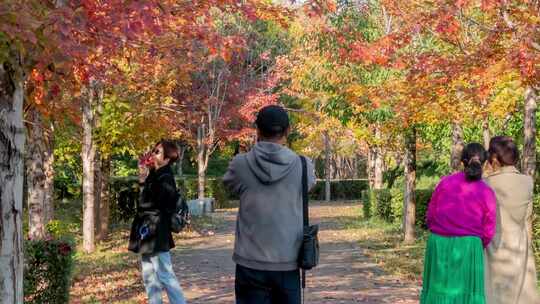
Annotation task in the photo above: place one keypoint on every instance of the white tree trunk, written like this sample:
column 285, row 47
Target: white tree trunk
column 529, row 143
column 98, row 178
column 371, row 167
column 327, row 167
column 409, row 210
column 49, row 179
column 181, row 154
column 88, row 161
column 378, row 168
column 40, row 175
column 201, row 168
column 12, row 140
column 378, row 162
column 98, row 175
column 457, row 146
column 486, row 134
column 104, row 207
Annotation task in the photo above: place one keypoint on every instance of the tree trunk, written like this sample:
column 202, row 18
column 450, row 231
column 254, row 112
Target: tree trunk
column 201, row 170
column 49, row 177
column 378, row 162
column 12, row 140
column 40, row 175
column 486, row 134
column 529, row 144
column 98, row 174
column 88, row 162
column 371, row 167
column 457, row 147
column 98, row 177
column 104, row 207
column 327, row 151
column 181, row 153
column 409, row 209
column 378, row 169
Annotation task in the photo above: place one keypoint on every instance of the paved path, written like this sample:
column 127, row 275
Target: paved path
column 344, row 275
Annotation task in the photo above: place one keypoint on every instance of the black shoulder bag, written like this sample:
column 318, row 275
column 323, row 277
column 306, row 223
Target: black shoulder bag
column 181, row 217
column 309, row 251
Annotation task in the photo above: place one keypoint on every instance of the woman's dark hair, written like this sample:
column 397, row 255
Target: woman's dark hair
column 504, row 149
column 170, row 150
column 473, row 158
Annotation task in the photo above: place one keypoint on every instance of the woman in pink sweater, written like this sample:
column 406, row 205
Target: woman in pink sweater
column 461, row 217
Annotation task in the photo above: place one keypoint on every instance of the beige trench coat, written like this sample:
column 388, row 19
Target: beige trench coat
column 510, row 270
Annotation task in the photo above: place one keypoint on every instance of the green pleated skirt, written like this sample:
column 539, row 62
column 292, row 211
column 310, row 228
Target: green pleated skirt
column 453, row 271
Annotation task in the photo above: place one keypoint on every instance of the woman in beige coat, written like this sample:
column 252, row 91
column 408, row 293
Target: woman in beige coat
column 510, row 270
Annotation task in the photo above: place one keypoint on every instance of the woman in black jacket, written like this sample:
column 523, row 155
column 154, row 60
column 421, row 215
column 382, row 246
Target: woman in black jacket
column 151, row 230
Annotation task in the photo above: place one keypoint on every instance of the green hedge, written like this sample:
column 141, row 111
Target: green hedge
column 125, row 193
column 536, row 226
column 387, row 204
column 349, row 189
column 213, row 188
column 378, row 203
column 397, row 203
column 423, row 196
column 367, row 204
column 48, row 266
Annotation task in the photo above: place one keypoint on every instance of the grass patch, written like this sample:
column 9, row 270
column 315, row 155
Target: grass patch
column 382, row 242
column 111, row 274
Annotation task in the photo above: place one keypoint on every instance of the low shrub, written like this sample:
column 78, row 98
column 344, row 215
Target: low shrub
column 383, row 199
column 218, row 191
column 423, row 196
column 124, row 196
column 366, row 204
column 125, row 193
column 349, row 189
column 387, row 204
column 536, row 226
column 48, row 267
column 397, row 203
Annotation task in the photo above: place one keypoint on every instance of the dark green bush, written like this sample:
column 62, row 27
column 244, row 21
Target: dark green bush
column 217, row 190
column 397, row 203
column 366, row 203
column 387, row 204
column 124, row 196
column 383, row 200
column 378, row 203
column 66, row 187
column 47, row 271
column 423, row 196
column 189, row 187
column 536, row 226
column 349, row 189
column 125, row 193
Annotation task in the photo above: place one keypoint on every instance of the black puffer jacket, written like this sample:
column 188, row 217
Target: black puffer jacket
column 156, row 205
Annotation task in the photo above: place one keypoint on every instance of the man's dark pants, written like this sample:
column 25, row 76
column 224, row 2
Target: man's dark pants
column 267, row 287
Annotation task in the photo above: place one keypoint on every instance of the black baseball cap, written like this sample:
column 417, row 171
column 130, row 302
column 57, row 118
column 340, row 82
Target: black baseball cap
column 272, row 120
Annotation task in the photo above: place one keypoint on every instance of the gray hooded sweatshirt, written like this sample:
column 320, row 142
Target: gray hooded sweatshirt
column 269, row 228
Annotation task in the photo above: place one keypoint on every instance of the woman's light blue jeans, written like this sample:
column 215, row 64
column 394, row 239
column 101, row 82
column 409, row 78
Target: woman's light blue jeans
column 158, row 274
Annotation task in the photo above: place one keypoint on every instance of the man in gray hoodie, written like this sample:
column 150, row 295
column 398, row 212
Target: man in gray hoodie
column 269, row 226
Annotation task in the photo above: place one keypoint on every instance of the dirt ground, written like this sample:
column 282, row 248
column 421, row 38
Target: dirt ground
column 345, row 275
